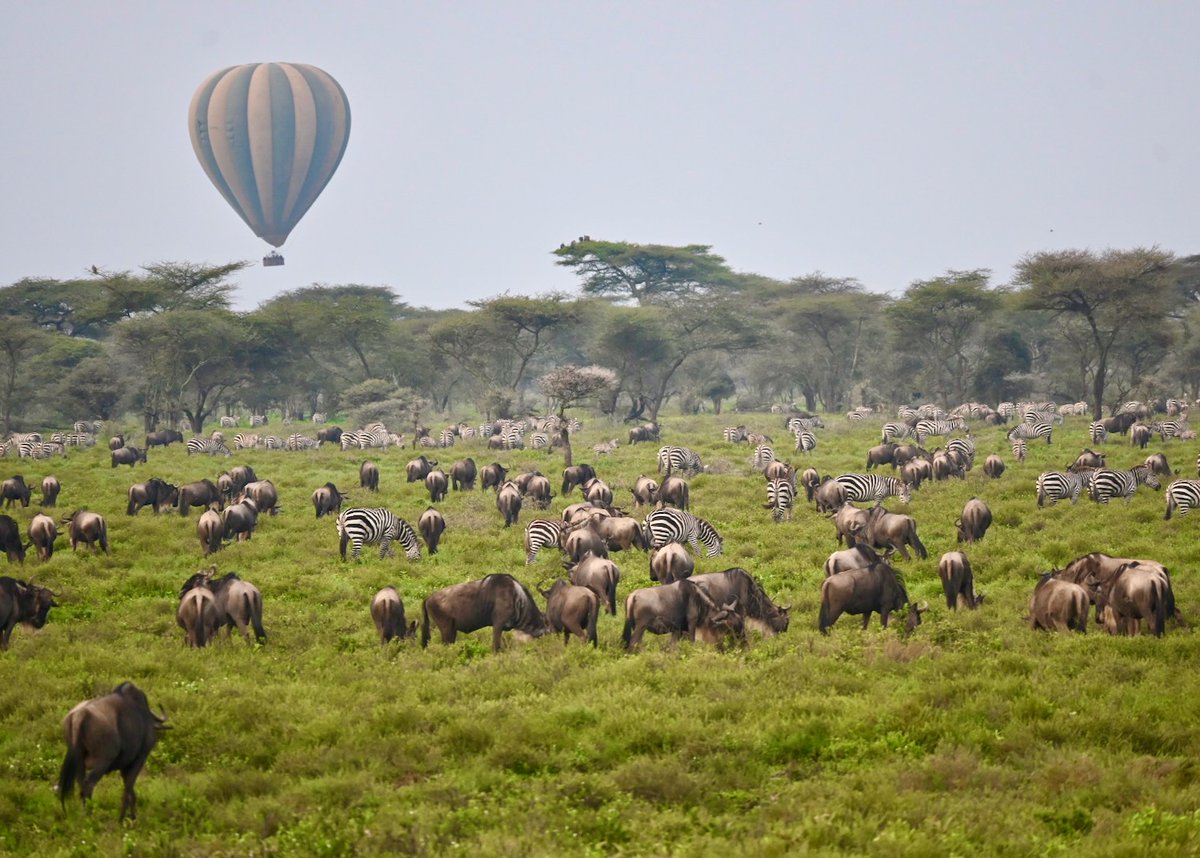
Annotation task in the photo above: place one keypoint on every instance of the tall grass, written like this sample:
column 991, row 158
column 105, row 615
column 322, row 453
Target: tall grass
column 972, row 736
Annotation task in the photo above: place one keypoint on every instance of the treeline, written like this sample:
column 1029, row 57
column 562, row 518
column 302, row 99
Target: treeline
column 675, row 324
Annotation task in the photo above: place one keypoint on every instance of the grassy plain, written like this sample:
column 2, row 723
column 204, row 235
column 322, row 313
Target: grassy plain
column 975, row 736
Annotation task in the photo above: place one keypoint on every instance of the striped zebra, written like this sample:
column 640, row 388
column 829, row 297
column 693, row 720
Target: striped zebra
column 299, row 442
column 40, row 449
column 540, row 533
column 1098, row 433
column 874, row 487
column 672, row 458
column 734, row 434
column 964, row 447
column 606, row 448
column 1107, row 483
column 1006, row 410
column 795, row 424
column 1029, row 431
column 359, row 525
column 1182, row 495
column 895, row 431
column 426, row 442
column 763, row 456
column 907, row 414
column 228, row 422
column 675, row 525
column 207, row 446
column 1035, row 416
column 806, row 442
column 257, row 420
column 245, row 441
column 1169, row 428
column 781, row 495
column 79, row 439
column 272, row 442
column 318, row 417
column 1054, row 486
column 1020, row 447
column 539, row 441
column 446, row 438
column 95, row 427
column 925, row 428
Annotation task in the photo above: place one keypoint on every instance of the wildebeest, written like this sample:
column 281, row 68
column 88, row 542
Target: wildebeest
column 492, row 476
column 22, row 602
column 1158, row 464
column 462, row 474
column 572, row 610
column 1139, row 435
column 875, row 589
column 197, row 614
column 576, row 475
column 1058, row 605
column 974, row 522
column 115, row 732
column 916, row 471
column 829, row 495
column 645, row 432
column 892, row 531
column 154, row 493
column 852, row 558
column 264, row 495
column 600, row 575
column 387, row 610
column 239, row 520
column 42, row 533
column 436, row 484
column 810, row 479
column 50, row 489
column 882, row 454
column 116, row 442
column 498, row 600
column 993, row 466
column 418, row 468
column 1087, row 459
column 10, row 540
column 737, row 586
column 676, row 609
column 431, row 525
column 199, row 493
column 87, row 527
column 163, row 438
column 327, row 499
column 850, row 522
column 330, row 435
column 675, row 492
column 645, row 491
column 508, row 501
column 598, row 493
column 238, row 602
column 128, row 456
column 537, row 489
column 957, row 581
column 368, row 476
column 210, row 528
column 582, row 540
column 13, row 490
column 621, row 532
column 1135, row 593
column 671, row 563
column 234, row 481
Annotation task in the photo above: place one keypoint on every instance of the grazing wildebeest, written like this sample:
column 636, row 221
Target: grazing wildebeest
column 264, row 495
column 508, row 501
column 200, row 493
column 431, row 524
column 234, row 481
column 492, row 476
column 576, row 475
column 115, row 732
column 210, row 528
column 239, row 520
column 498, row 600
column 238, row 602
column 875, row 589
column 1058, row 605
column 163, row 438
column 1134, row 594
column 1087, row 460
column 675, row 492
column 677, row 609
column 116, row 442
column 975, row 520
column 645, row 491
column 600, row 575
column 598, row 493
column 957, row 580
column 154, row 493
column 387, row 610
column 582, row 540
column 810, row 479
column 829, row 495
column 13, row 490
column 993, row 466
column 87, row 527
column 50, row 489
column 583, row 512
column 437, row 485
column 621, row 532
column 330, row 434
column 1139, row 435
column 197, row 614
column 368, row 476
column 42, row 533
column 417, row 468
column 1158, row 464
column 738, row 587
column 671, row 563
column 852, row 558
column 645, row 432
column 10, row 540
column 128, row 456
column 328, row 499
column 850, row 522
column 572, row 610
column 882, row 454
column 537, row 489
column 892, row 531
column 462, row 474
column 22, row 602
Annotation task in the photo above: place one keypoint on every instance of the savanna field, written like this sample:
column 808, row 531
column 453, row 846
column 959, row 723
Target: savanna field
column 973, row 736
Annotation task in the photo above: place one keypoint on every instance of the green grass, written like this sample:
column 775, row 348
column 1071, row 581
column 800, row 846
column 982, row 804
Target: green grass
column 973, row 736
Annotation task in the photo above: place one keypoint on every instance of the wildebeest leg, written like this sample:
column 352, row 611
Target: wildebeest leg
column 866, row 619
column 449, row 634
column 129, row 799
column 904, row 552
column 497, row 639
column 5, row 634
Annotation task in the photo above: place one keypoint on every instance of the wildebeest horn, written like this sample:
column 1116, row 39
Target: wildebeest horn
column 161, row 719
column 923, row 607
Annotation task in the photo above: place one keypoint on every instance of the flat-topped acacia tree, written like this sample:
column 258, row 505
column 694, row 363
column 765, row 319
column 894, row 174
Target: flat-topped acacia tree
column 568, row 386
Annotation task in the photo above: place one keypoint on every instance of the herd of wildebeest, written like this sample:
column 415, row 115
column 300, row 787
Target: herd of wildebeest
column 116, row 732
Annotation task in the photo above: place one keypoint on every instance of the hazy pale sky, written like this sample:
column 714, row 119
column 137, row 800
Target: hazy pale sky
column 886, row 141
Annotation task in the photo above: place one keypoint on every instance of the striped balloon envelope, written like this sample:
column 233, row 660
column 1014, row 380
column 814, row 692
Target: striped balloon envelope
column 270, row 136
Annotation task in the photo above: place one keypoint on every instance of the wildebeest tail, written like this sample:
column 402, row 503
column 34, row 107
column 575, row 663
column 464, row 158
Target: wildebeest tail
column 424, row 624
column 593, row 614
column 1160, row 607
column 823, row 617
column 254, row 610
column 918, row 545
column 72, row 767
column 948, row 587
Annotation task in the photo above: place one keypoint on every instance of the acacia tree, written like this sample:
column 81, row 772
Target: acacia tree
column 646, row 273
column 523, row 326
column 569, row 385
column 1112, row 294
column 20, row 343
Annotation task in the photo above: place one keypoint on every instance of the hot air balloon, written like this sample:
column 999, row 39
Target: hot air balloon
column 270, row 136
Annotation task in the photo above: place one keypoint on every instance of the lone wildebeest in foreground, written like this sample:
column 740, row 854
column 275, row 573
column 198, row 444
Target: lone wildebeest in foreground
column 498, row 600
column 875, row 589
column 115, row 732
column 22, row 602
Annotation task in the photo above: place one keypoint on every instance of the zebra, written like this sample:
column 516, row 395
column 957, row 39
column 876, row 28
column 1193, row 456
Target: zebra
column 446, row 438
column 925, row 428
column 1098, row 433
column 1035, row 416
column 896, row 431
column 318, row 417
column 781, row 494
column 734, row 434
column 208, row 446
column 796, row 423
column 425, row 442
column 539, row 533
column 964, row 447
column 1019, row 448
column 907, row 414
column 679, row 459
column 299, row 442
column 675, row 525
column 874, row 487
column 1107, row 483
column 245, row 441
column 257, row 420
column 605, row 448
column 1029, row 431
column 805, row 442
column 763, row 456
column 273, row 442
column 79, row 439
column 1169, row 428
column 358, row 525
column 228, row 422
column 539, row 441
column 1182, row 495
column 1060, row 485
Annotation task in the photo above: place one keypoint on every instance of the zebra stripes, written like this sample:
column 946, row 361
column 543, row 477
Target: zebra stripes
column 874, row 487
column 1107, row 483
column 675, row 525
column 539, row 533
column 1182, row 495
column 1097, row 432
column 299, row 442
column 207, row 446
column 679, row 459
column 1020, row 447
column 806, row 442
column 925, row 428
column 1054, row 486
column 763, row 456
column 781, row 495
column 1169, row 428
column 359, row 525
column 734, row 434
column 896, row 431
column 1029, row 431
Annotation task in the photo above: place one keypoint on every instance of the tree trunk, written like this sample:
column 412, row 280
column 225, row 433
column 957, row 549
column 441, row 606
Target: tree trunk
column 568, row 454
column 716, row 401
column 1098, row 386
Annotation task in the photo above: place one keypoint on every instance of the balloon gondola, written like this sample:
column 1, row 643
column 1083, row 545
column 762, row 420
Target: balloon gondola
column 270, row 136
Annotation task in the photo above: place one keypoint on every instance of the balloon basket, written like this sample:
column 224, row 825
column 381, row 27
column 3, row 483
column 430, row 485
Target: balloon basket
column 272, row 258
